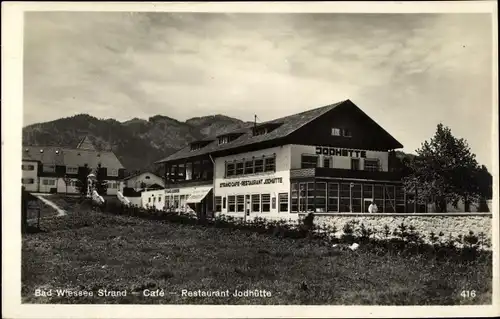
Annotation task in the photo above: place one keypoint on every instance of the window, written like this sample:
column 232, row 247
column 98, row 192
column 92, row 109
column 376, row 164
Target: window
column 390, row 196
column 345, row 198
column 266, row 203
column 223, row 140
column 367, row 191
column 310, row 197
column 249, row 167
column 231, row 203
column 294, row 198
column 283, row 202
column 320, row 197
column 333, row 197
column 346, row 133
column 355, row 164
column 273, row 203
column 28, row 167
column 224, row 203
column 49, row 182
column 371, row 165
column 256, row 203
column 309, row 161
column 159, row 199
column 259, row 165
column 356, row 198
column 335, row 131
column 270, row 164
column 240, row 203
column 260, row 131
column 196, row 146
column 240, row 168
column 49, row 168
column 112, row 172
column 196, row 170
column 230, row 169
column 149, row 200
column 27, row 180
column 326, row 162
column 71, row 170
column 147, row 177
column 218, row 203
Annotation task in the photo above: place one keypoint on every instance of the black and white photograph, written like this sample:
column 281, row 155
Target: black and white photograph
column 169, row 156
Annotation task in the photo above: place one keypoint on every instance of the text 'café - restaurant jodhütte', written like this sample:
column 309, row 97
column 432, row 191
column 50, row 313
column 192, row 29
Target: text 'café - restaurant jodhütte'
column 329, row 159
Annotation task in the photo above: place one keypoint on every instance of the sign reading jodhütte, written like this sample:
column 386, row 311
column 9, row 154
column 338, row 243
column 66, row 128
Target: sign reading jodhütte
column 262, row 181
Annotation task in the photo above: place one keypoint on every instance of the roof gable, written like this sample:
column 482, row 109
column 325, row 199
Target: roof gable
column 364, row 132
column 86, row 144
column 138, row 175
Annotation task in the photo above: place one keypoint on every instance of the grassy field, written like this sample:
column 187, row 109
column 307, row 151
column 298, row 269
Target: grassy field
column 88, row 251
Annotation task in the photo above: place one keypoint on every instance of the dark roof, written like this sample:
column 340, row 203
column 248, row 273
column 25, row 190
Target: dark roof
column 86, row 144
column 139, row 174
column 70, row 156
column 289, row 124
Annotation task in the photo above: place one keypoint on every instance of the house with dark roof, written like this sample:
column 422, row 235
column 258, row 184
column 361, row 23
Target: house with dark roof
column 55, row 169
column 329, row 159
column 143, row 180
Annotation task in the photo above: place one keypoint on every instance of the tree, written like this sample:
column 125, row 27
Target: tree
column 484, row 182
column 82, row 182
column 67, row 180
column 444, row 171
column 101, row 184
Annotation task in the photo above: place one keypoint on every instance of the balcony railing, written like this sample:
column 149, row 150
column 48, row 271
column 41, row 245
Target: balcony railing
column 188, row 183
column 345, row 173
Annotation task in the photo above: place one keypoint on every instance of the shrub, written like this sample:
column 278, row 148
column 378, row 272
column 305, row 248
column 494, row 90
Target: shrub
column 407, row 242
column 348, row 235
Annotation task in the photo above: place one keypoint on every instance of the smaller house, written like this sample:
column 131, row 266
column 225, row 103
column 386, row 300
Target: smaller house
column 142, row 181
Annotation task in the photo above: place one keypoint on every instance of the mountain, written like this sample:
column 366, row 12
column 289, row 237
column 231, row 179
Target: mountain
column 138, row 143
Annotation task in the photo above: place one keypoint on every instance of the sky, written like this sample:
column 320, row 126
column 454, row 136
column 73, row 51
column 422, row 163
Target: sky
column 409, row 72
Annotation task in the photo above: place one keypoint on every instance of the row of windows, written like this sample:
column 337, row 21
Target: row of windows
column 52, row 182
column 51, row 168
column 312, row 161
column 251, row 166
column 262, row 203
column 346, row 197
column 341, row 132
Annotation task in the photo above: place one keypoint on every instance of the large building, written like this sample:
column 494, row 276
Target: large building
column 55, row 169
column 329, row 159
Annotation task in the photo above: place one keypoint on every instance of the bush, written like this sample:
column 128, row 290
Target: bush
column 407, row 240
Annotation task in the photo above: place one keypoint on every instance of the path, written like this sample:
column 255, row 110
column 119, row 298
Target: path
column 60, row 212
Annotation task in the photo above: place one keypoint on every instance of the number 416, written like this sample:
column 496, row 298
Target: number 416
column 468, row 294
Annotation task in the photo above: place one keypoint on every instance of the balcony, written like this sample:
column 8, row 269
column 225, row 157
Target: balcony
column 344, row 173
column 188, row 183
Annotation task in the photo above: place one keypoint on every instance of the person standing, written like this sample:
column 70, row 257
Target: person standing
column 372, row 209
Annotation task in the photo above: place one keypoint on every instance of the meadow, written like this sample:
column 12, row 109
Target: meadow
column 88, row 251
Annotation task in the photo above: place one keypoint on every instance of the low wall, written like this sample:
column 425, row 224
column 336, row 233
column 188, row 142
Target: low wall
column 448, row 223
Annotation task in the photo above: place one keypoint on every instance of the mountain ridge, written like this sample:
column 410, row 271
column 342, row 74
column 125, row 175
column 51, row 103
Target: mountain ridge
column 138, row 143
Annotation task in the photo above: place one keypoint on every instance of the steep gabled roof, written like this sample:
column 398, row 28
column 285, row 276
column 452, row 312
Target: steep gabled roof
column 86, row 144
column 70, row 157
column 139, row 174
column 287, row 125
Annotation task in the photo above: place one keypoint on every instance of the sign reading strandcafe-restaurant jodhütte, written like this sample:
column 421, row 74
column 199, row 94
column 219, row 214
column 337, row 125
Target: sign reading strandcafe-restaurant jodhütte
column 274, row 180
